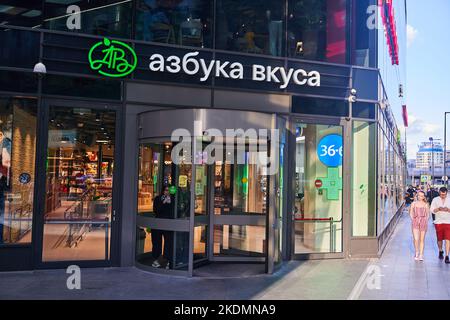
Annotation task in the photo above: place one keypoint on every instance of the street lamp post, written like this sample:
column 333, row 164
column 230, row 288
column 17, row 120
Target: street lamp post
column 445, row 147
column 432, row 162
column 432, row 159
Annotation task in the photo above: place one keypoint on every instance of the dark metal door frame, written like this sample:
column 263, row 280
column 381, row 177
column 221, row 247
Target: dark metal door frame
column 346, row 166
column 40, row 188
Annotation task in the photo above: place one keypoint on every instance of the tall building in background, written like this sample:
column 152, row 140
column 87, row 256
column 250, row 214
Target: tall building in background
column 91, row 147
column 429, row 153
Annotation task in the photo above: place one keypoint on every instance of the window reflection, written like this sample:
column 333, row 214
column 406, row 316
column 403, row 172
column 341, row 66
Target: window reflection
column 250, row 26
column 317, row 30
column 17, row 156
column 21, row 13
column 98, row 17
column 186, row 23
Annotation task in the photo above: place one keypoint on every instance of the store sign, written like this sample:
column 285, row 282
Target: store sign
column 330, row 150
column 191, row 65
column 112, row 58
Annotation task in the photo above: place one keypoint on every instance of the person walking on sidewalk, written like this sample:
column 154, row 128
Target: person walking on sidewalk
column 440, row 206
column 420, row 214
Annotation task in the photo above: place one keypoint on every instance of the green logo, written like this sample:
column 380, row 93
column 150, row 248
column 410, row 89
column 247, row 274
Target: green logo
column 112, row 58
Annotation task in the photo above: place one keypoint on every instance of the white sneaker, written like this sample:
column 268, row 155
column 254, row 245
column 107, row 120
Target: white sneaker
column 156, row 264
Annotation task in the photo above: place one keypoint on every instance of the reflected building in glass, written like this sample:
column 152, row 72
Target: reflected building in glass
column 91, row 173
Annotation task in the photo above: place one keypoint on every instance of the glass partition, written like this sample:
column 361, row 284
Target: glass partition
column 241, row 185
column 158, row 172
column 18, row 124
column 364, row 179
column 164, row 192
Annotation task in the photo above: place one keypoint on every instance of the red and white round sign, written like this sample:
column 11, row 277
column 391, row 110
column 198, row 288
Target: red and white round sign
column 318, row 183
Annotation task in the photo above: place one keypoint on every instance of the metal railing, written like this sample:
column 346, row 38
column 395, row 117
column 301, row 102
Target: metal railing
column 78, row 228
column 332, row 228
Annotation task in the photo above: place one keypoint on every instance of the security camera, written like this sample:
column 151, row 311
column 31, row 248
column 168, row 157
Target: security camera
column 40, row 68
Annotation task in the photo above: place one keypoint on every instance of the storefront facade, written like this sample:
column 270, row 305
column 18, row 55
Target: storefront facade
column 90, row 144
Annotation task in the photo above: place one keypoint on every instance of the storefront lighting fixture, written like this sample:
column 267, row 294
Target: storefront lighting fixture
column 40, row 69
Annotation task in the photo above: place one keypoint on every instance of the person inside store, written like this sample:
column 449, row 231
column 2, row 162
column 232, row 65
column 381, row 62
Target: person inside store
column 440, row 206
column 5, row 175
column 163, row 206
column 420, row 214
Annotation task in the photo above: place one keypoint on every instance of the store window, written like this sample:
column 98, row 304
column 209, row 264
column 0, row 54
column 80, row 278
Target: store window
column 79, row 184
column 21, row 13
column 97, row 17
column 181, row 22
column 318, row 189
column 251, row 26
column 18, row 124
column 364, row 179
column 317, row 30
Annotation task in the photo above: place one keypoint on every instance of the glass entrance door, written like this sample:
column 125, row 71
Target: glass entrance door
column 240, row 206
column 80, row 163
column 318, row 189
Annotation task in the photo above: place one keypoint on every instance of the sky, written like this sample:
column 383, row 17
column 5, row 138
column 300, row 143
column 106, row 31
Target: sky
column 428, row 72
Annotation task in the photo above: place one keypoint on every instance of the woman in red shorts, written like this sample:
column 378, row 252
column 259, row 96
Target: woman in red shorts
column 420, row 214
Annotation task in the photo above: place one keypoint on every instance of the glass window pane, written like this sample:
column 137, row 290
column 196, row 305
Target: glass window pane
column 82, row 87
column 200, row 240
column 324, row 107
column 21, row 13
column 251, row 26
column 79, row 188
column 241, row 185
column 317, row 30
column 318, row 188
column 186, row 23
column 164, row 187
column 232, row 240
column 18, row 123
column 162, row 248
column 364, row 183
column 98, row 17
column 19, row 48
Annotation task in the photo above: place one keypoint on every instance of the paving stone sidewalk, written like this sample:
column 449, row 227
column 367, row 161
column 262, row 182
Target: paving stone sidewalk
column 332, row 279
column 403, row 278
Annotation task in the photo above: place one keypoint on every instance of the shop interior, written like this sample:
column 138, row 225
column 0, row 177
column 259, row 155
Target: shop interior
column 79, row 184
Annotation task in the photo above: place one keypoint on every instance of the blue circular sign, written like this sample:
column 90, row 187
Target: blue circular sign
column 330, row 150
column 24, row 178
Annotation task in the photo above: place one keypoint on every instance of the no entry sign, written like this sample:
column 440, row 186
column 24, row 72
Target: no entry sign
column 318, row 183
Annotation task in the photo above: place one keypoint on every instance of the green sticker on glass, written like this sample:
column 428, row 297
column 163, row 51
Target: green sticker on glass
column 332, row 184
column 172, row 190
